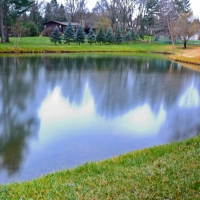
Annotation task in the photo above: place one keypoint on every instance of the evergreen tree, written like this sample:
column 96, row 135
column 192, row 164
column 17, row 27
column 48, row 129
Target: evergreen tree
column 36, row 16
column 183, row 6
column 55, row 36
column 10, row 11
column 100, row 36
column 119, row 36
column 48, row 13
column 69, row 34
column 149, row 17
column 61, row 14
column 54, row 9
column 142, row 29
column 128, row 37
column 91, row 36
column 80, row 35
column 133, row 35
column 109, row 37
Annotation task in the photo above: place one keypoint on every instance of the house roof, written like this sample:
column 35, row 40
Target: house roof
column 63, row 23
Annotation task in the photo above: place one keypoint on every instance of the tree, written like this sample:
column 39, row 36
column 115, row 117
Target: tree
column 32, row 28
column 128, row 37
column 48, row 13
column 125, row 9
column 36, row 16
column 109, row 37
column 183, row 6
column 119, row 36
column 107, row 9
column 168, row 14
column 149, row 17
column 91, row 36
column 1, row 22
column 54, row 9
column 74, row 7
column 80, row 35
column 69, row 33
column 100, row 36
column 103, row 22
column 187, row 26
column 61, row 14
column 11, row 10
column 133, row 34
column 55, row 36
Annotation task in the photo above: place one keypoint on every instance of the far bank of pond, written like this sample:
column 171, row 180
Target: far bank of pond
column 189, row 56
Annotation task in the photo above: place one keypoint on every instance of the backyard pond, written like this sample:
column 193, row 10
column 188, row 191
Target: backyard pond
column 60, row 111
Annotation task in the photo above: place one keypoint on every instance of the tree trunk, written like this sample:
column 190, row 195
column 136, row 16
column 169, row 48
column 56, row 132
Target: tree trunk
column 1, row 22
column 185, row 44
column 5, row 13
column 172, row 46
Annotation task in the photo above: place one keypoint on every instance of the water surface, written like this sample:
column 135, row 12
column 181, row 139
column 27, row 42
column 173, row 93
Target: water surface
column 57, row 112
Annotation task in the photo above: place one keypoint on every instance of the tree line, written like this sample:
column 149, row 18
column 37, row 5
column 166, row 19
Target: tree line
column 78, row 36
column 146, row 17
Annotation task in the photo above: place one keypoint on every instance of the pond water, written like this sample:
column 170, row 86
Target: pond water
column 60, row 111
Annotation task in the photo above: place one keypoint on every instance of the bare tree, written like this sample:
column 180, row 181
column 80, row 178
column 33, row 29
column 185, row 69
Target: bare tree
column 108, row 9
column 74, row 8
column 126, row 11
column 188, row 26
column 139, row 13
column 168, row 15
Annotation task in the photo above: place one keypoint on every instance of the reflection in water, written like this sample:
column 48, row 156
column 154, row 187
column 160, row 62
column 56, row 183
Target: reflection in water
column 59, row 111
column 18, row 113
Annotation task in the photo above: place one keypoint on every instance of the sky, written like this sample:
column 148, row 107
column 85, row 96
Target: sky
column 195, row 5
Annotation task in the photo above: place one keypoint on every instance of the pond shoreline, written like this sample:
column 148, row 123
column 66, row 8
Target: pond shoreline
column 193, row 65
column 87, row 51
column 167, row 171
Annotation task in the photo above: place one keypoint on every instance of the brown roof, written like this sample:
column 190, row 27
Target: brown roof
column 63, row 23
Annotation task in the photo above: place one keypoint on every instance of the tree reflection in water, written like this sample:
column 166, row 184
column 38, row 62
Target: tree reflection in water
column 135, row 101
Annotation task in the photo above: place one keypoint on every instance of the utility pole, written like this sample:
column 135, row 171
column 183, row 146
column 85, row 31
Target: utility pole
column 1, row 22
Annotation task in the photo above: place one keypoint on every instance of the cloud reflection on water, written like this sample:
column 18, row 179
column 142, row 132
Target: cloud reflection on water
column 66, row 111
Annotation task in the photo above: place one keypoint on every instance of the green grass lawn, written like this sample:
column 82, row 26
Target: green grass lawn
column 43, row 44
column 164, row 172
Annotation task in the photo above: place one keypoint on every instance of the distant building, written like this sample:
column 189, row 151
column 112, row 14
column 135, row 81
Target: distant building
column 195, row 37
column 49, row 27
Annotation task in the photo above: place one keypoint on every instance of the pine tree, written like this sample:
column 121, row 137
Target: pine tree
column 91, row 36
column 183, row 6
column 55, row 36
column 149, row 17
column 61, row 14
column 100, row 36
column 80, row 36
column 48, row 13
column 119, row 36
column 128, row 37
column 133, row 35
column 69, row 34
column 109, row 37
column 54, row 9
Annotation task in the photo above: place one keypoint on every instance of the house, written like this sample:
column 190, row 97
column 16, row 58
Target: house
column 50, row 25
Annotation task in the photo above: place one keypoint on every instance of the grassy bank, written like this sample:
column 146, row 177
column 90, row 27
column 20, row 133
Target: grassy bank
column 43, row 45
column 164, row 172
